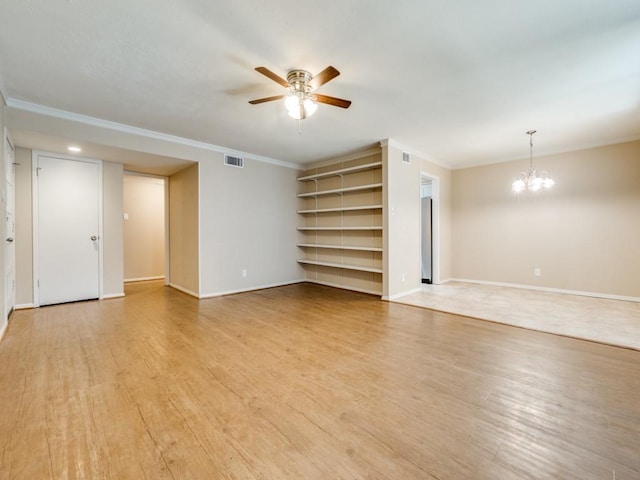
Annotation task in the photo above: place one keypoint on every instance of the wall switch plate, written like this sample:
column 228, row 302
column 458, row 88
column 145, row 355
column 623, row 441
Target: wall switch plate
column 537, row 272
column 244, row 273
column 125, row 216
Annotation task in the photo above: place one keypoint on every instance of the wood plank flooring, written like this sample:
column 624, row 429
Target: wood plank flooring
column 306, row 382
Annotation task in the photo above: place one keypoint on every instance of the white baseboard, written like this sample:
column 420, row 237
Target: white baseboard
column 24, row 306
column 250, row 289
column 344, row 287
column 446, row 280
column 143, row 279
column 402, row 294
column 184, row 290
column 549, row 289
column 112, row 295
column 3, row 330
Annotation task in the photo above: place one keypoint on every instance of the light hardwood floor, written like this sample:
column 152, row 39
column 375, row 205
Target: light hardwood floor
column 306, row 382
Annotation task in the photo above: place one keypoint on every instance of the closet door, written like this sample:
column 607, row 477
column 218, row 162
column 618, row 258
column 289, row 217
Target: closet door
column 68, row 243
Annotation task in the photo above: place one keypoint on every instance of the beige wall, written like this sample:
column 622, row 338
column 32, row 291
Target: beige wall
column 402, row 220
column 112, row 277
column 184, row 230
column 247, row 222
column 584, row 234
column 401, row 223
column 144, row 232
column 24, row 236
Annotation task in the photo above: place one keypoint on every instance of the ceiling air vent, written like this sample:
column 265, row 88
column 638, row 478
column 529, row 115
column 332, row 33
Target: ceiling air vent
column 232, row 161
column 405, row 157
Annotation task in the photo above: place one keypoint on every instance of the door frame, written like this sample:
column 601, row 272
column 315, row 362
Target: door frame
column 435, row 226
column 35, row 217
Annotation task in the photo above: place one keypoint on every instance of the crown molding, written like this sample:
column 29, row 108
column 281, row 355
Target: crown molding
column 390, row 142
column 137, row 131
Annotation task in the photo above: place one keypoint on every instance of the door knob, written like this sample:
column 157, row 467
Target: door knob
column 94, row 238
column 10, row 240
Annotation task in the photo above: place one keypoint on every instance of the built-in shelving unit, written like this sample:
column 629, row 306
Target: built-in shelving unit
column 340, row 230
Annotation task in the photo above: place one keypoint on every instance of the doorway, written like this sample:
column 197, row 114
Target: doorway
column 426, row 228
column 145, row 227
column 429, row 228
column 67, row 228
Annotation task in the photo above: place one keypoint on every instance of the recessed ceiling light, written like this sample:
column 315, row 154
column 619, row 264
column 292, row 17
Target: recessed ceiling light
column 74, row 149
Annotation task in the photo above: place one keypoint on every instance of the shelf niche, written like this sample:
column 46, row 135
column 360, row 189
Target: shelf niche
column 340, row 223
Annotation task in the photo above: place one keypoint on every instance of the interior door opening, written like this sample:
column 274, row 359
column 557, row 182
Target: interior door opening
column 145, row 227
column 426, row 229
column 429, row 228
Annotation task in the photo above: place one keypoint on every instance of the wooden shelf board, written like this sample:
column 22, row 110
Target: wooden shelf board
column 341, row 265
column 346, row 287
column 342, row 209
column 369, row 186
column 337, row 229
column 341, row 171
column 341, row 247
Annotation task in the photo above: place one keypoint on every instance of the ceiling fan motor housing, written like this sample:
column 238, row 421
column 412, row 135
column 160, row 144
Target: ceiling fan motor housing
column 299, row 81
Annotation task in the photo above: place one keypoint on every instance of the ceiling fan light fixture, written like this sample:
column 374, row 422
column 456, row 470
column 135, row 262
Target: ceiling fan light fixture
column 300, row 107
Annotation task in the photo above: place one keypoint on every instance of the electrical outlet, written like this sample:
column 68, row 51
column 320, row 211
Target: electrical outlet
column 244, row 273
column 537, row 272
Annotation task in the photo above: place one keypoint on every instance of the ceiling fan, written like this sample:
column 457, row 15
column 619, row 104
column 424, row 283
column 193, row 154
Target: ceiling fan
column 301, row 102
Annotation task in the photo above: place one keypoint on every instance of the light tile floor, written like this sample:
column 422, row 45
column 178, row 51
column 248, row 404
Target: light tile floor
column 614, row 322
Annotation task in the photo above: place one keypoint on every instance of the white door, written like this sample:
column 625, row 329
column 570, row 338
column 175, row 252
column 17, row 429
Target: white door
column 68, row 229
column 10, row 227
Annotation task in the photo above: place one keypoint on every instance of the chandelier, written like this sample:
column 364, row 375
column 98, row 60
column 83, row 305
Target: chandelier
column 530, row 180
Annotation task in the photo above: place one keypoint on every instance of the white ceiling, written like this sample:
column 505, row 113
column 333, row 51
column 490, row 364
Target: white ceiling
column 459, row 82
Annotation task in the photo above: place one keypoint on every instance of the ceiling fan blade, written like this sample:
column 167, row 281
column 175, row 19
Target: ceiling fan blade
column 266, row 99
column 268, row 73
column 323, row 77
column 336, row 102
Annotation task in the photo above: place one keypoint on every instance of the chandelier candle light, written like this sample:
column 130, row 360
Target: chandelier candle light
column 530, row 180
